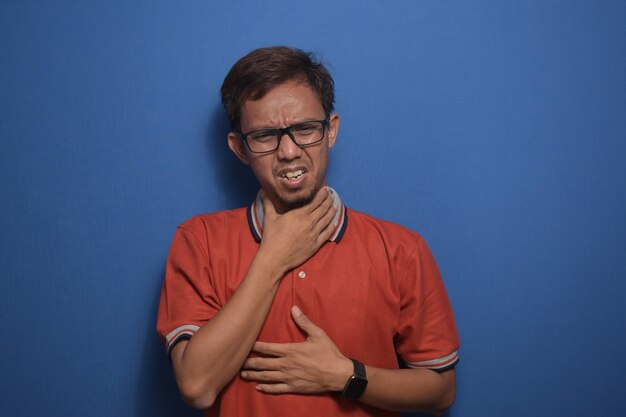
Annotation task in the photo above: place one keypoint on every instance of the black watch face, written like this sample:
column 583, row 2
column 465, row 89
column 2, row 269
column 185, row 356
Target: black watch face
column 356, row 387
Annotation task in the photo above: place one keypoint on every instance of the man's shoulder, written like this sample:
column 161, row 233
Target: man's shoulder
column 219, row 220
column 368, row 224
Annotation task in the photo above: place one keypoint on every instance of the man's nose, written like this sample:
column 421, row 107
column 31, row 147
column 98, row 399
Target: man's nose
column 288, row 149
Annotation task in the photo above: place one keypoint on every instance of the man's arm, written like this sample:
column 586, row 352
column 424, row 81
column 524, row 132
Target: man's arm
column 204, row 364
column 317, row 366
column 420, row 390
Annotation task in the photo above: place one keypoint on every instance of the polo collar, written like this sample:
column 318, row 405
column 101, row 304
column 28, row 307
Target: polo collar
column 255, row 217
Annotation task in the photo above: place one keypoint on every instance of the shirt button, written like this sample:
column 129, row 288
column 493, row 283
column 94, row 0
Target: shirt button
column 302, row 274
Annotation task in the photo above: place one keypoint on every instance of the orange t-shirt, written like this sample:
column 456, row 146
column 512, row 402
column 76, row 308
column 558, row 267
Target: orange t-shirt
column 374, row 289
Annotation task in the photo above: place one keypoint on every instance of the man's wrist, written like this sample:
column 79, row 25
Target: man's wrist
column 342, row 373
column 269, row 265
column 357, row 382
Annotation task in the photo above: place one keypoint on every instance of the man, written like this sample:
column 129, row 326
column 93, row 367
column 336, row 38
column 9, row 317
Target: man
column 298, row 306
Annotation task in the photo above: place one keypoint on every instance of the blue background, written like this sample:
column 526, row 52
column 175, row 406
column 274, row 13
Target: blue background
column 496, row 129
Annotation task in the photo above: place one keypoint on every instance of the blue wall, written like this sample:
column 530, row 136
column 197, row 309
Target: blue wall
column 494, row 128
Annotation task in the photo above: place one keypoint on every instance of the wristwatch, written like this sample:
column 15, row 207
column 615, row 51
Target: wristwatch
column 357, row 382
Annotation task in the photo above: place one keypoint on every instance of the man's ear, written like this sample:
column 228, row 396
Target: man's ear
column 333, row 129
column 237, row 146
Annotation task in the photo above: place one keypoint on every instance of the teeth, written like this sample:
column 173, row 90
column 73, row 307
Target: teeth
column 293, row 174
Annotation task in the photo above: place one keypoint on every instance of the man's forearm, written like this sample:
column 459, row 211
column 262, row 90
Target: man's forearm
column 210, row 359
column 420, row 390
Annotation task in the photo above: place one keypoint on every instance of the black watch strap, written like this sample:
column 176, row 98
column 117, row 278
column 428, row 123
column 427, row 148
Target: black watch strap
column 357, row 382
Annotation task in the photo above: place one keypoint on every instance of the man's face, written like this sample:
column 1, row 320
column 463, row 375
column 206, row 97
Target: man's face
column 290, row 176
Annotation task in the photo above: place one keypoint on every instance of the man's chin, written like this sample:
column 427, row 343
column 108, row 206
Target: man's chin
column 296, row 201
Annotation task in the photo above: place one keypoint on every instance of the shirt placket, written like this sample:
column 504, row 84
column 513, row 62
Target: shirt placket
column 302, row 284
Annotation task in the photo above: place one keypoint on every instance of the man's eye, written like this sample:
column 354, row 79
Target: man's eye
column 305, row 128
column 264, row 136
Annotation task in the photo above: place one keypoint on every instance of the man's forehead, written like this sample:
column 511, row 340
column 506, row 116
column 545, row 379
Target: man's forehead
column 291, row 99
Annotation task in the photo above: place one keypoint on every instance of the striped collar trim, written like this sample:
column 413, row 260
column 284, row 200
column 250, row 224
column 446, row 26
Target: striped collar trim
column 255, row 217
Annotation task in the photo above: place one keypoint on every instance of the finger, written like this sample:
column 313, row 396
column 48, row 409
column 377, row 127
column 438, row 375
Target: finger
column 305, row 323
column 320, row 211
column 261, row 364
column 275, row 389
column 263, row 376
column 326, row 226
column 272, row 349
column 322, row 195
column 327, row 223
column 268, row 207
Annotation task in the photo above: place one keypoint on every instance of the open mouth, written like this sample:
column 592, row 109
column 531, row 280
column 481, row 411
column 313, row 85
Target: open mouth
column 292, row 175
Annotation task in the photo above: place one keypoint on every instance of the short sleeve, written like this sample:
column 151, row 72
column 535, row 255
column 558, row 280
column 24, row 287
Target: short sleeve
column 188, row 299
column 427, row 336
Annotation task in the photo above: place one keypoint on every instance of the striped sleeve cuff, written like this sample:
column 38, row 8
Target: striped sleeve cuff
column 438, row 365
column 178, row 334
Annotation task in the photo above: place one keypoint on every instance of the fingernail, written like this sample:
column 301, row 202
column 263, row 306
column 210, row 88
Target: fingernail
column 295, row 310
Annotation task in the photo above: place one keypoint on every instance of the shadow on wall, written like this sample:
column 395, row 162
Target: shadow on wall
column 237, row 182
column 157, row 393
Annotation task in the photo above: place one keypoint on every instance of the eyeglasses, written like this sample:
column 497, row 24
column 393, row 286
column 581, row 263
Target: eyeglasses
column 303, row 134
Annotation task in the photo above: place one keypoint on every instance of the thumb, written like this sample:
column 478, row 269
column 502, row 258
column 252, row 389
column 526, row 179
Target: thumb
column 268, row 207
column 304, row 322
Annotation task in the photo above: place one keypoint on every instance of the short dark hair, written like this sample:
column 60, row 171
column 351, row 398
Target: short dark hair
column 254, row 75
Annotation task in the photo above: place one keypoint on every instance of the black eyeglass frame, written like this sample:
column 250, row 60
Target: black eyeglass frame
column 280, row 132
